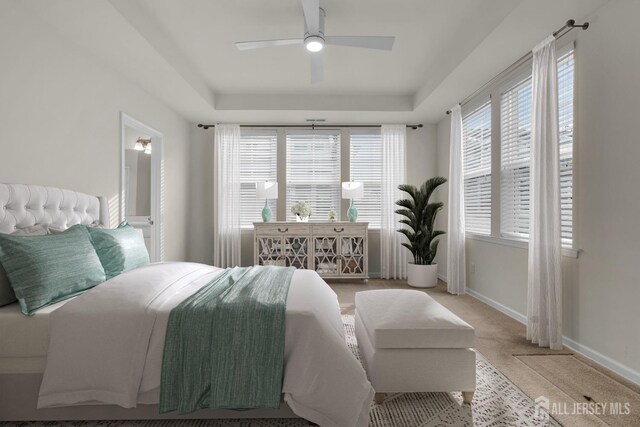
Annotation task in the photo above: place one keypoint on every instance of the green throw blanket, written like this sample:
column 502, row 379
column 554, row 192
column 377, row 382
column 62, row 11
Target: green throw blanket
column 224, row 345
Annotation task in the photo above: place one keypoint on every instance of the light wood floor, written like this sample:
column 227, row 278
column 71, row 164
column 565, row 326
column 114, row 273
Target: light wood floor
column 561, row 376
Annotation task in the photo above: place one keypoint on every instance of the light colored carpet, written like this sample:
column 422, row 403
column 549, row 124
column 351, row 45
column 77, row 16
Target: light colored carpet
column 500, row 339
column 497, row 402
column 582, row 382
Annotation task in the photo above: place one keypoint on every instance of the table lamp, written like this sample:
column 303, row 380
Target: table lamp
column 267, row 190
column 352, row 190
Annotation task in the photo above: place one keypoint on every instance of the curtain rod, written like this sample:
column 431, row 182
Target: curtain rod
column 311, row 126
column 568, row 26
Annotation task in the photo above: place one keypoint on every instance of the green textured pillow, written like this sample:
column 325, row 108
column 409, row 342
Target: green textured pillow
column 121, row 249
column 47, row 269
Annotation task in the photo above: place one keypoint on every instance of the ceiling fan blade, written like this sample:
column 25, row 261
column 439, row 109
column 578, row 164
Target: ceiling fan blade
column 369, row 42
column 267, row 43
column 311, row 10
column 317, row 69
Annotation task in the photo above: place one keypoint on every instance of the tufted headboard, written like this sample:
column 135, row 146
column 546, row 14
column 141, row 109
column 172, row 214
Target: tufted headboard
column 24, row 206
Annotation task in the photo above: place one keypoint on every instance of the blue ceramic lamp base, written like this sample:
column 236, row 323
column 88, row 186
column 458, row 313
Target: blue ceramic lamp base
column 352, row 213
column 266, row 212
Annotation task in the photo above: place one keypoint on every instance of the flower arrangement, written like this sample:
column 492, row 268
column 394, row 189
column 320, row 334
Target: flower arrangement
column 301, row 209
column 332, row 215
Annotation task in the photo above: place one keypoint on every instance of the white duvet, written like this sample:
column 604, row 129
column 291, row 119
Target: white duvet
column 106, row 345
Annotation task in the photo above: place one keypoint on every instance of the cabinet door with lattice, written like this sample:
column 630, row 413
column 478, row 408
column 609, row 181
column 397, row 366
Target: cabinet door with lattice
column 352, row 252
column 326, row 259
column 296, row 251
column 270, row 251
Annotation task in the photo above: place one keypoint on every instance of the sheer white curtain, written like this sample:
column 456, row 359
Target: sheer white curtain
column 456, row 277
column 226, row 196
column 393, row 256
column 544, row 300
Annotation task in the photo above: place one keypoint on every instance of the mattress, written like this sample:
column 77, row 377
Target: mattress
column 24, row 340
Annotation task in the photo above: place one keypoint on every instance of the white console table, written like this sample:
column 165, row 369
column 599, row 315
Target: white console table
column 337, row 250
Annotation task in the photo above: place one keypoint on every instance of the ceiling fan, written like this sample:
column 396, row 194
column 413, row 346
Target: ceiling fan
column 314, row 39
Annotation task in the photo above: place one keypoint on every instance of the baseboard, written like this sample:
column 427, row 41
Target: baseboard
column 589, row 353
column 601, row 359
column 500, row 307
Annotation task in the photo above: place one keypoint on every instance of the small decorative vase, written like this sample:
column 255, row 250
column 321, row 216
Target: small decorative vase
column 302, row 218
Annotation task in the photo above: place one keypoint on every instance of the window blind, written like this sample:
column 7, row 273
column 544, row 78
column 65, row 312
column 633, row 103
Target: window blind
column 515, row 141
column 516, row 114
column 313, row 172
column 258, row 162
column 366, row 167
column 565, row 120
column 476, row 151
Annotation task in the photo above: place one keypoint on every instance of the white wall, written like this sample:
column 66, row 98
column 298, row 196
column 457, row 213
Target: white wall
column 201, row 195
column 421, row 165
column 60, row 124
column 601, row 289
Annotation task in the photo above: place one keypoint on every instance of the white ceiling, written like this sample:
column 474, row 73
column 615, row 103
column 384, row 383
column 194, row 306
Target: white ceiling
column 205, row 31
column 444, row 50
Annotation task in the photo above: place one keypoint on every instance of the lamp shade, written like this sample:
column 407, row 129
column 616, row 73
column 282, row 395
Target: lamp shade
column 352, row 190
column 267, row 190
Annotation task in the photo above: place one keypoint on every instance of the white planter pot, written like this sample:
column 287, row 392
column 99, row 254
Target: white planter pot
column 422, row 276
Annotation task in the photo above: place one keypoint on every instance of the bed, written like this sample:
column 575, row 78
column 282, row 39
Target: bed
column 314, row 341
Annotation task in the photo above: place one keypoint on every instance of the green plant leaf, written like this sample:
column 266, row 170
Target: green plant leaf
column 436, row 233
column 410, row 235
column 406, row 203
column 430, row 213
column 409, row 189
column 406, row 212
column 408, row 223
column 433, row 250
column 431, row 185
column 420, row 217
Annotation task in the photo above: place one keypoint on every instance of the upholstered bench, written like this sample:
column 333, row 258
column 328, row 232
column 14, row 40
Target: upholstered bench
column 410, row 343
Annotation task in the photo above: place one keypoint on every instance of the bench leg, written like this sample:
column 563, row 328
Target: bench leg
column 467, row 397
column 379, row 398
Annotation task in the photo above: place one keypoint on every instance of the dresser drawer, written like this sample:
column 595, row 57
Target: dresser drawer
column 286, row 229
column 339, row 229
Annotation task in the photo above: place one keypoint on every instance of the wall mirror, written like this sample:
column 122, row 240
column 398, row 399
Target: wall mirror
column 141, row 181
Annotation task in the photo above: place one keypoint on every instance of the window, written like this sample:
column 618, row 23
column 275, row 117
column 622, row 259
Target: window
column 366, row 167
column 516, row 113
column 515, row 146
column 313, row 172
column 565, row 120
column 258, row 162
column 476, row 148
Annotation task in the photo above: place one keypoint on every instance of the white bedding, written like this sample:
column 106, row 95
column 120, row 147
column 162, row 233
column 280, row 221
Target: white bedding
column 106, row 345
column 24, row 339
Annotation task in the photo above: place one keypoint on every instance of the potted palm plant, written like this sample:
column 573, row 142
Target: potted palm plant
column 419, row 218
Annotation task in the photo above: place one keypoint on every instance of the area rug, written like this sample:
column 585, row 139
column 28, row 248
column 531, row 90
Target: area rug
column 497, row 402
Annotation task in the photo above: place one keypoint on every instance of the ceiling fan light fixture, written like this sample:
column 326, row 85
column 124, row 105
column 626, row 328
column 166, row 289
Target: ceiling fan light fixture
column 314, row 43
